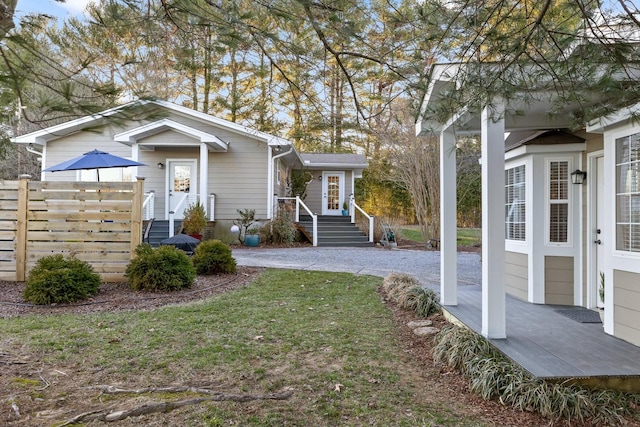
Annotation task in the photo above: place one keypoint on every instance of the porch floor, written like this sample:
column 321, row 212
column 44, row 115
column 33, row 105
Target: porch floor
column 552, row 346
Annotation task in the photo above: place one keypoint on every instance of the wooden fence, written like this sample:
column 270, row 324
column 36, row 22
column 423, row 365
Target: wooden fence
column 97, row 222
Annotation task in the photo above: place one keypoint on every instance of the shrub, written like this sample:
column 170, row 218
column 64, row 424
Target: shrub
column 281, row 230
column 163, row 269
column 420, row 300
column 213, row 256
column 56, row 279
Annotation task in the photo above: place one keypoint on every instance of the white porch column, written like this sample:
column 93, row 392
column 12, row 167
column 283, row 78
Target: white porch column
column 448, row 219
column 204, row 173
column 493, row 253
column 135, row 155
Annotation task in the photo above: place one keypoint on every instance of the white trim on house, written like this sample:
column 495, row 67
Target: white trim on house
column 591, row 258
column 131, row 136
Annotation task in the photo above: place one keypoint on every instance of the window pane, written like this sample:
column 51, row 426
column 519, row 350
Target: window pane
column 628, row 193
column 515, row 207
column 559, row 201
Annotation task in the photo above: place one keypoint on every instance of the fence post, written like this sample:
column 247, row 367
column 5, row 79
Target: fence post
column 21, row 228
column 136, row 214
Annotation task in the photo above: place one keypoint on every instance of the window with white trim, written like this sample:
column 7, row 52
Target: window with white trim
column 628, row 193
column 515, row 208
column 559, row 201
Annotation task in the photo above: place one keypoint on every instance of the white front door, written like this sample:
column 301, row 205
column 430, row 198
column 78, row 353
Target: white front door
column 182, row 185
column 600, row 240
column 332, row 193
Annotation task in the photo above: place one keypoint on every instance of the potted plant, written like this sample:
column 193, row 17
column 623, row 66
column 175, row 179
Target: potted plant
column 252, row 236
column 345, row 208
column 195, row 220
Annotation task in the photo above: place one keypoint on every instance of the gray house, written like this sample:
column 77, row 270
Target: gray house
column 192, row 156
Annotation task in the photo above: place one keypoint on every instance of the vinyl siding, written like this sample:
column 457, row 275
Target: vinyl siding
column 515, row 274
column 626, row 315
column 558, row 277
column 64, row 149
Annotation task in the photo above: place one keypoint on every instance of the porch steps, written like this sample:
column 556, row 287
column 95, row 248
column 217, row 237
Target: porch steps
column 160, row 231
column 334, row 231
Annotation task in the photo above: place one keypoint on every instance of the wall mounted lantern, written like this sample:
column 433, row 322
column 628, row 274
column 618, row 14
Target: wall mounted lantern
column 160, row 165
column 578, row 177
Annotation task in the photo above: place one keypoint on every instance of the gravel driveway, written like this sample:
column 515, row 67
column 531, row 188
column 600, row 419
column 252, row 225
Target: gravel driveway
column 424, row 265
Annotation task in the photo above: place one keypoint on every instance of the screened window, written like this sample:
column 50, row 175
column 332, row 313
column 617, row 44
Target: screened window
column 628, row 193
column 559, row 201
column 515, row 208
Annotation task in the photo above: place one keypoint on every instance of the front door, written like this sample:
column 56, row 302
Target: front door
column 332, row 193
column 182, row 185
column 599, row 240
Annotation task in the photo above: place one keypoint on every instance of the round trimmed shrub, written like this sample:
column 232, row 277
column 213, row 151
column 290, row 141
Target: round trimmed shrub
column 213, row 256
column 56, row 279
column 163, row 269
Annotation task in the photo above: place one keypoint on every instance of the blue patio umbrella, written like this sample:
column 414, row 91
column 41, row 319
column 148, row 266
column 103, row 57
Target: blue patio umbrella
column 95, row 159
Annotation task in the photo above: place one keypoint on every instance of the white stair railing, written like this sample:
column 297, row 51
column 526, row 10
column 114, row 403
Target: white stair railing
column 314, row 217
column 148, row 206
column 353, row 206
column 212, row 207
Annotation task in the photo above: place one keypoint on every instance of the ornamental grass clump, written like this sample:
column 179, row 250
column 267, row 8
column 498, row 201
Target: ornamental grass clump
column 165, row 268
column 213, row 257
column 395, row 284
column 420, row 300
column 491, row 375
column 56, row 279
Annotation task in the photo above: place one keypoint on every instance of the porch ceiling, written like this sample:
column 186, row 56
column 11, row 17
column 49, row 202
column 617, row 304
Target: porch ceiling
column 132, row 136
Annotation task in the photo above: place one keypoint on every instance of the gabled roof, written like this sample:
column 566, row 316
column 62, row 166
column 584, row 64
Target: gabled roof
column 545, row 137
column 131, row 136
column 334, row 160
column 53, row 132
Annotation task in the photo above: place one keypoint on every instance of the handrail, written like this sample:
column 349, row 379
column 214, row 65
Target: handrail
column 314, row 217
column 148, row 206
column 172, row 214
column 212, row 206
column 353, row 204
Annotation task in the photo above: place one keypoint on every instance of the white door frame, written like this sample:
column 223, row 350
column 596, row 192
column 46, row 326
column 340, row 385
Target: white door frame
column 193, row 185
column 325, row 180
column 593, row 263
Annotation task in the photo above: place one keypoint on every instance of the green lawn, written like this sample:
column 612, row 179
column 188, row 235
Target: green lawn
column 466, row 236
column 309, row 331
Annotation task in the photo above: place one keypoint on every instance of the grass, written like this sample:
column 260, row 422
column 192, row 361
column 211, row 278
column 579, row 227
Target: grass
column 305, row 330
column 466, row 236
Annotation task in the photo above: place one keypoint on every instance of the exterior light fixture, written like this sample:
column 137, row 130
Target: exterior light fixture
column 160, row 165
column 319, row 177
column 578, row 177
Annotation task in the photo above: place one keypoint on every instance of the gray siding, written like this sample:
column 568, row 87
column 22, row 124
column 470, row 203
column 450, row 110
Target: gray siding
column 75, row 145
column 558, row 278
column 626, row 315
column 516, row 271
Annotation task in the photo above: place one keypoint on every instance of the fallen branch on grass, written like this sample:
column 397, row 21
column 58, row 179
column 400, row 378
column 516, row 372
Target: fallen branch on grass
column 151, row 408
column 109, row 389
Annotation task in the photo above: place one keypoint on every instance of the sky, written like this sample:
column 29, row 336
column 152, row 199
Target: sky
column 60, row 10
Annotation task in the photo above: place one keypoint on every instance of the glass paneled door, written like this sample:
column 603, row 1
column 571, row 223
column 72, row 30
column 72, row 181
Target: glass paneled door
column 182, row 185
column 332, row 193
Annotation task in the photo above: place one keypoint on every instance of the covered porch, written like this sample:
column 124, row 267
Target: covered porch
column 552, row 346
